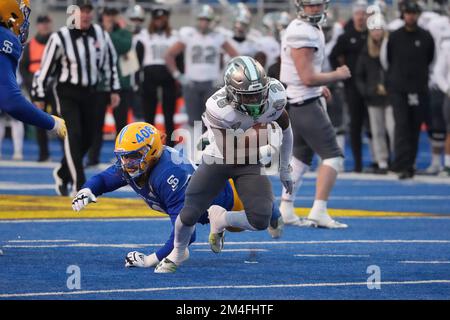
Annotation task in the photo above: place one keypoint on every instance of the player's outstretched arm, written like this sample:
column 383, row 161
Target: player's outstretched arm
column 107, row 181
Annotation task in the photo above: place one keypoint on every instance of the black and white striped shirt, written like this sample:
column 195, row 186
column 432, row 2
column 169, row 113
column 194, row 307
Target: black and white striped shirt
column 80, row 58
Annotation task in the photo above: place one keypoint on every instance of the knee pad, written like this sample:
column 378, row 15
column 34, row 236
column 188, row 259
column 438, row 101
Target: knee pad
column 336, row 163
column 259, row 222
column 189, row 216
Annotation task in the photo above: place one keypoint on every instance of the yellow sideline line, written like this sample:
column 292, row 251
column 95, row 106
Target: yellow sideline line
column 53, row 207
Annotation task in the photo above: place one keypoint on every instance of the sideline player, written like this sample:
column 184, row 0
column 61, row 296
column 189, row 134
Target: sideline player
column 302, row 55
column 14, row 24
column 159, row 175
column 248, row 98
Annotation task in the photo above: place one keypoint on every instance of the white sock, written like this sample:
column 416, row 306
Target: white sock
column 383, row 164
column 435, row 160
column 319, row 210
column 447, row 160
column 17, row 133
column 298, row 170
column 183, row 234
column 238, row 219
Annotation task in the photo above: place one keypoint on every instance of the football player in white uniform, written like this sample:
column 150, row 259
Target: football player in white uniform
column 302, row 55
column 202, row 47
column 152, row 44
column 438, row 24
column 248, row 98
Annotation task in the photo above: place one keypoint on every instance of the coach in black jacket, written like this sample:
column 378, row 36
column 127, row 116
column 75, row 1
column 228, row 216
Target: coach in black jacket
column 346, row 52
column 409, row 54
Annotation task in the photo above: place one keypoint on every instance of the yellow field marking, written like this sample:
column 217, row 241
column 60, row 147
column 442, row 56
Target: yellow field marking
column 53, row 207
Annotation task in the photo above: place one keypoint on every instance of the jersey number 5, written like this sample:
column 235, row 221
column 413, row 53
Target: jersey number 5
column 7, row 47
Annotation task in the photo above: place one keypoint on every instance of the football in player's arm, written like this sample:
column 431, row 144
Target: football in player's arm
column 155, row 173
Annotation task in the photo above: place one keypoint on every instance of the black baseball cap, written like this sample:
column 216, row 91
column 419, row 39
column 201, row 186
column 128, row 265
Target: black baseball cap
column 159, row 12
column 411, row 6
column 43, row 19
column 84, row 4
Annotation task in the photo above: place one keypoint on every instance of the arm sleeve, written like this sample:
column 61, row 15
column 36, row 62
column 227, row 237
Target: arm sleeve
column 140, row 52
column 52, row 54
column 171, row 188
column 110, row 65
column 360, row 76
column 109, row 180
column 338, row 51
column 14, row 103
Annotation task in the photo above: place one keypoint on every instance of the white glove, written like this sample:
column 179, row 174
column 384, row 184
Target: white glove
column 136, row 259
column 286, row 178
column 82, row 199
column 181, row 78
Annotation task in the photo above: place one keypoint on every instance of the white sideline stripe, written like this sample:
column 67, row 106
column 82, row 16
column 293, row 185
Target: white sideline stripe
column 151, row 219
column 8, row 186
column 33, row 241
column 333, row 255
column 342, row 176
column 425, row 262
column 249, row 286
column 376, row 198
column 235, row 250
column 138, row 245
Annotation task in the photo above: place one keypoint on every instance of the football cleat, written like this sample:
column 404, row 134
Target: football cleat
column 60, row 186
column 1, row 252
column 166, row 266
column 216, row 241
column 324, row 221
column 275, row 228
column 134, row 259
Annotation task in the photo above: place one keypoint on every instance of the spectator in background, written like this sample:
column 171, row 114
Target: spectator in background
column 346, row 52
column 29, row 64
column 336, row 103
column 409, row 55
column 442, row 77
column 370, row 79
column 122, row 41
column 151, row 46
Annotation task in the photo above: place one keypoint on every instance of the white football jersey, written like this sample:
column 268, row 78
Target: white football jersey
column 300, row 34
column 202, row 53
column 155, row 46
column 248, row 47
column 220, row 114
column 271, row 48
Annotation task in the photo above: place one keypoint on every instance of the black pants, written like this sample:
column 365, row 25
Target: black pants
column 154, row 77
column 358, row 115
column 103, row 99
column 409, row 114
column 77, row 107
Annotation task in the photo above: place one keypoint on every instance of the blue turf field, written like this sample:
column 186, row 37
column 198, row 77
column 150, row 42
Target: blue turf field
column 412, row 253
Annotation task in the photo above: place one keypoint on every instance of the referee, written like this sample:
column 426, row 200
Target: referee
column 76, row 57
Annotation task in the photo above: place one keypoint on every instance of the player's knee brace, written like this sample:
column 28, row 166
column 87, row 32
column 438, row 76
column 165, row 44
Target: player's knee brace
column 335, row 163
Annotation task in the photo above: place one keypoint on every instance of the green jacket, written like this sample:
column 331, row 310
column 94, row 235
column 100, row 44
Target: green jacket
column 122, row 41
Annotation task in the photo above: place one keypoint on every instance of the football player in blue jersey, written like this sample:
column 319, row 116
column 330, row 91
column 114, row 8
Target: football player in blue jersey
column 159, row 175
column 14, row 24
